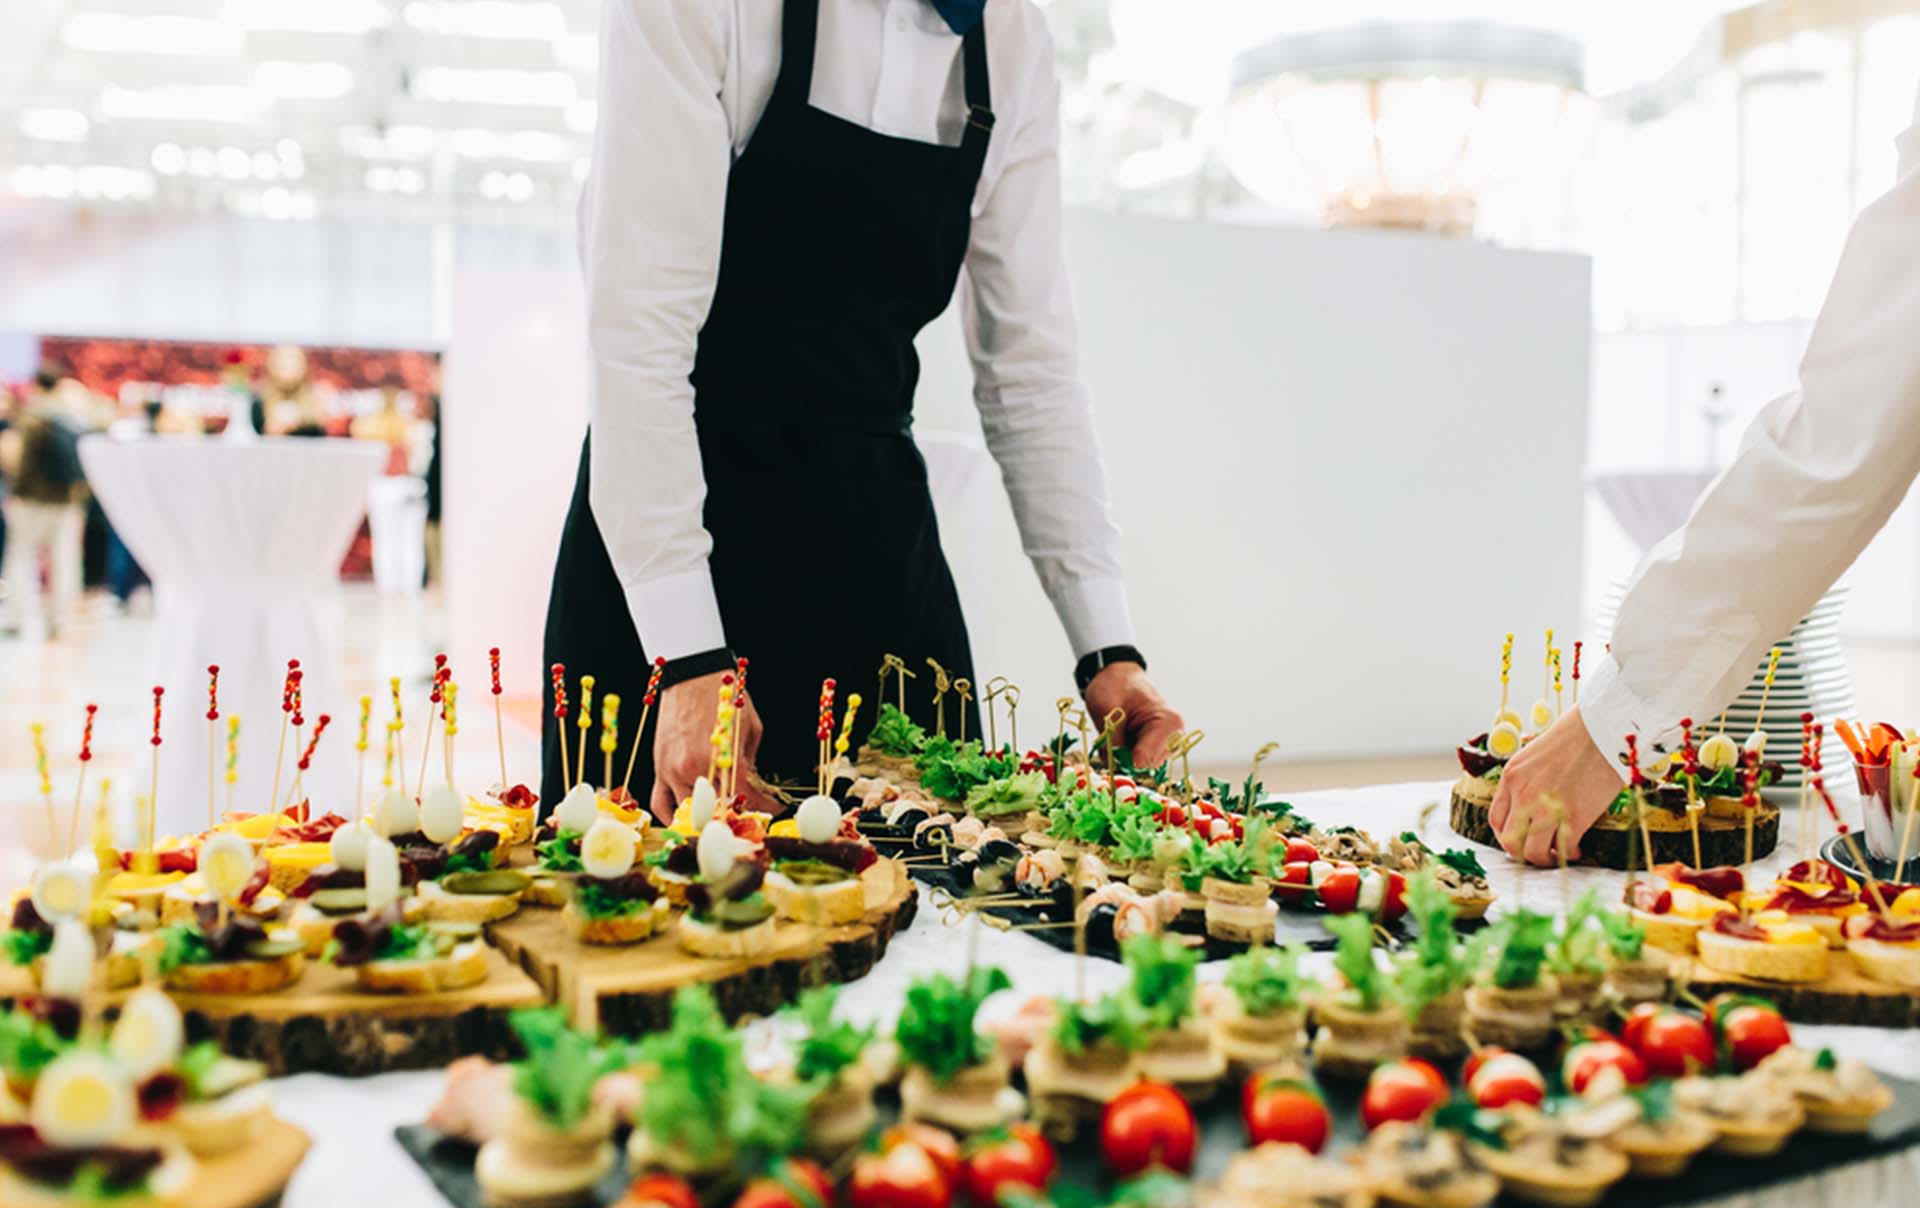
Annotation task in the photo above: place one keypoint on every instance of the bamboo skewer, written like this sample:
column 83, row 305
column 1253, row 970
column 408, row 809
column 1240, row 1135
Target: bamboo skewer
column 559, row 673
column 153, row 798
column 733, row 738
column 433, row 698
column 583, row 721
column 1690, row 769
column 233, row 756
column 360, row 760
column 39, row 731
column 80, row 785
column 286, row 712
column 213, row 736
column 640, row 731
column 499, row 726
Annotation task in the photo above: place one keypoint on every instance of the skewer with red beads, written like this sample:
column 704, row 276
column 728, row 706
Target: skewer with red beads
column 1576, row 673
column 824, row 731
column 1750, row 794
column 499, row 729
column 733, row 740
column 306, row 757
column 559, row 673
column 286, row 715
column 80, row 786
column 640, row 731
column 1690, row 769
column 153, row 791
column 1806, row 785
column 1637, row 781
column 1853, row 845
column 213, row 736
column 434, row 698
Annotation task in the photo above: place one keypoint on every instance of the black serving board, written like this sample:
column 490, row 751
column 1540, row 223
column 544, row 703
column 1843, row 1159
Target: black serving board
column 449, row 1164
column 1837, row 852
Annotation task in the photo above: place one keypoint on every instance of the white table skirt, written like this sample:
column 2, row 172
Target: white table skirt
column 355, row 1158
column 243, row 542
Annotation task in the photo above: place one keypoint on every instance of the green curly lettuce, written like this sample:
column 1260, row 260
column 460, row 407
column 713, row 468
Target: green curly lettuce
column 1267, row 980
column 951, row 770
column 557, row 1075
column 1625, row 938
column 703, row 1100
column 1517, row 945
column 936, row 1029
column 1162, row 980
column 1368, row 986
column 1578, row 948
column 27, row 1045
column 1116, row 1019
column 560, row 853
column 592, row 899
column 895, row 734
column 1020, row 793
column 1435, row 965
column 828, row 1045
column 26, row 947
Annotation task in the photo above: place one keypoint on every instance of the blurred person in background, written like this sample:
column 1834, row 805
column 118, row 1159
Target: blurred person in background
column 40, row 460
column 1818, row 473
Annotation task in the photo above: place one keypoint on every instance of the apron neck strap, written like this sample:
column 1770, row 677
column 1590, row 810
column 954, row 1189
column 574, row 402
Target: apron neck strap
column 798, row 28
column 973, row 50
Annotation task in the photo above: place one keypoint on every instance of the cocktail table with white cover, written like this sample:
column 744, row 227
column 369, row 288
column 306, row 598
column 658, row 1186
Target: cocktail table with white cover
column 243, row 542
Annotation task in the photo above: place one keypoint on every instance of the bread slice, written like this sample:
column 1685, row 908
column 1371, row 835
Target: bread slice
column 617, row 929
column 238, row 977
column 439, row 906
column 1892, row 964
column 1239, row 913
column 1555, row 1186
column 1668, row 932
column 548, row 889
column 706, row 939
column 508, row 1179
column 1761, row 959
column 225, row 1124
column 824, row 905
column 465, row 966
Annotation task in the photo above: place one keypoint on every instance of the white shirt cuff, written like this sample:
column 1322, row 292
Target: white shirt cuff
column 1095, row 614
column 1611, row 711
column 677, row 615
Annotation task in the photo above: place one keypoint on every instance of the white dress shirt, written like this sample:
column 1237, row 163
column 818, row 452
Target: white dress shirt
column 683, row 84
column 1816, row 477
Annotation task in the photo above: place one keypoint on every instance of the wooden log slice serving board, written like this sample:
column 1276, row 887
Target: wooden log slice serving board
column 1844, row 997
column 324, row 1023
column 628, row 990
column 1723, row 841
column 247, row 1178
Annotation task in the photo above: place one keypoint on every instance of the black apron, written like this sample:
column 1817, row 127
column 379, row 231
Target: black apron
column 840, row 244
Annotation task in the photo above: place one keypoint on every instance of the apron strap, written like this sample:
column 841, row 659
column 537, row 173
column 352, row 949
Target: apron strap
column 798, row 26
column 973, row 144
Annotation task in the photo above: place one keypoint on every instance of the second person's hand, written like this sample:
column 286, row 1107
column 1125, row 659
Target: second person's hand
column 1562, row 766
column 683, row 745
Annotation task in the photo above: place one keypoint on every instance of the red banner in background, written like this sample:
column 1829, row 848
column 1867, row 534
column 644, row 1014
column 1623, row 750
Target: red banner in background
column 105, row 363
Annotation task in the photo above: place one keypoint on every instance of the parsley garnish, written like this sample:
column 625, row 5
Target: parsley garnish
column 936, row 1025
column 1266, row 980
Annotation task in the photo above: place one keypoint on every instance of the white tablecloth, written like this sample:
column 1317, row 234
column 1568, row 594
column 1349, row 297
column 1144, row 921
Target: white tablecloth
column 355, row 1159
column 243, row 542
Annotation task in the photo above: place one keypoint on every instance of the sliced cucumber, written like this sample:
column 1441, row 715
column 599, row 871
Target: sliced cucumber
column 345, row 900
column 735, row 916
column 455, row 931
column 492, row 881
column 269, row 950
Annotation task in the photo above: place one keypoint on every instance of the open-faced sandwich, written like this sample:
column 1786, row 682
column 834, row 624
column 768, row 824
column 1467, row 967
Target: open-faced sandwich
column 1457, row 871
column 83, row 1139
column 1816, row 893
column 1233, row 878
column 391, row 956
column 727, row 914
column 557, row 1142
column 513, row 808
column 1636, row 973
column 1433, row 971
column 614, row 901
column 224, row 953
column 1673, row 911
column 1179, row 1048
column 1839, row 1094
column 955, row 1077
column 68, row 890
column 457, row 879
column 1769, row 949
column 1260, row 1013
column 1886, row 949
column 820, row 876
column 1511, row 1003
column 1077, row 1067
column 1412, row 1166
column 1361, row 1021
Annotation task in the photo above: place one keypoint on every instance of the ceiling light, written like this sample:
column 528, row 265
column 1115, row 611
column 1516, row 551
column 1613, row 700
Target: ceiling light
column 303, row 81
column 265, row 166
column 183, row 103
column 201, row 161
column 495, row 86
column 519, row 186
column 113, row 182
column 123, row 33
column 168, row 159
column 493, row 185
column 307, row 16
column 235, row 164
column 380, row 178
column 409, row 180
column 487, row 19
column 54, row 125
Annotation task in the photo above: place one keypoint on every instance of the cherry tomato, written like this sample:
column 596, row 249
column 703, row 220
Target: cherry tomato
column 1400, row 1090
column 659, row 1191
column 1299, row 850
column 903, row 1177
column 1291, row 885
column 1019, row 1158
column 1633, row 1030
column 791, row 1183
column 1504, row 1078
column 1590, row 1061
column 1393, row 899
column 1476, row 1059
column 1284, row 1109
column 1340, row 891
column 1746, row 1030
column 1672, row 1043
column 938, row 1143
column 1172, row 815
column 1147, row 1125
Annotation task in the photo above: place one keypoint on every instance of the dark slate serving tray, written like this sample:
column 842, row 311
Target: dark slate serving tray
column 449, row 1164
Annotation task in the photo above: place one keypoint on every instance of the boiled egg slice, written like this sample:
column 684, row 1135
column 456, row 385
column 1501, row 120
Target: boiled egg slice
column 348, row 846
column 226, row 864
column 149, row 1034
column 443, row 811
column 1541, row 714
column 701, row 804
column 719, row 848
column 396, row 814
column 1510, row 717
column 818, row 819
column 68, row 969
column 1719, row 752
column 1503, row 741
column 1757, row 743
column 84, row 1098
column 578, row 810
column 383, row 875
column 62, row 889
column 606, row 851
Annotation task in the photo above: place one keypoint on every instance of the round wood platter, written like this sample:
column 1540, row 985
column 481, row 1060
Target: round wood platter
column 253, row 1176
column 1844, row 996
column 627, row 990
column 1723, row 841
column 324, row 1023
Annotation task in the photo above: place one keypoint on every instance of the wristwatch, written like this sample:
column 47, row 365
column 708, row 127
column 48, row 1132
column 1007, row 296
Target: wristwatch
column 1093, row 664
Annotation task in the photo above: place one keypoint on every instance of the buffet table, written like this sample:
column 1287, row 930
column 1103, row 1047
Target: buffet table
column 243, row 541
column 355, row 1158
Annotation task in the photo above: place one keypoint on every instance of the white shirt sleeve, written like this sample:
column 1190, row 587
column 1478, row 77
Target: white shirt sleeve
column 651, row 221
column 1034, row 409
column 1816, row 477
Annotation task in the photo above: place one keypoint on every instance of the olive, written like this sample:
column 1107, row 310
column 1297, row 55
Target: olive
column 1099, row 925
column 997, row 851
column 935, row 838
column 907, row 819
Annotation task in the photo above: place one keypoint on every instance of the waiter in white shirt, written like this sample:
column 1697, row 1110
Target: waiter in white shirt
column 1817, row 475
column 783, row 195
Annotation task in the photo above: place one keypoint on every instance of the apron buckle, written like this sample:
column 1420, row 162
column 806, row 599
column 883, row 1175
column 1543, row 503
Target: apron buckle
column 980, row 118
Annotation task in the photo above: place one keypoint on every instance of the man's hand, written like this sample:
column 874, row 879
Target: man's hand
column 1150, row 722
column 1561, row 767
column 683, row 746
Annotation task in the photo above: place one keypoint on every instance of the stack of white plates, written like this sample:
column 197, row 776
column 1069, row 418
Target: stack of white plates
column 1812, row 678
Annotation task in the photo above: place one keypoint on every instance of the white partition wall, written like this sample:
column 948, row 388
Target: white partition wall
column 1344, row 463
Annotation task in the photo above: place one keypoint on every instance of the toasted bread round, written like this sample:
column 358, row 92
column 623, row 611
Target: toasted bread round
column 1553, row 1186
column 465, row 966
column 238, row 977
column 825, row 905
column 1668, row 932
column 224, row 1124
column 508, row 1180
column 720, row 943
column 1893, row 964
column 1762, row 960
column 439, row 906
column 618, row 929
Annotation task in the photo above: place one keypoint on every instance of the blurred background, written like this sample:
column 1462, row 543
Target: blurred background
column 1408, row 322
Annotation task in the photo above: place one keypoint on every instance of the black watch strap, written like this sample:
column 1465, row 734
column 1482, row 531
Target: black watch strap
column 1093, row 664
column 693, row 666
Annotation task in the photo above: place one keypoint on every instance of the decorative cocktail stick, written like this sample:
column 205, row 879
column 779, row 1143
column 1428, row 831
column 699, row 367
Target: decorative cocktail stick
column 1913, row 807
column 640, row 731
column 1750, row 795
column 46, row 786
column 1546, row 680
column 898, row 666
column 233, row 756
column 450, row 709
column 1766, row 687
column 1557, row 706
column 733, row 738
column 499, row 728
column 722, row 726
column 845, row 741
column 583, row 723
column 213, row 735
column 1637, row 782
column 940, row 685
column 386, row 755
column 286, row 713
column 1806, row 786
column 963, row 688
column 995, row 687
column 1690, row 767
column 360, row 758
column 559, row 672
column 823, row 731
column 434, row 698
column 320, row 725
column 1853, row 847
column 609, row 734
column 1576, row 673
column 1011, row 694
column 1109, row 728
column 1506, row 674
column 299, row 705
column 1063, row 706
column 80, row 785
column 153, row 797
